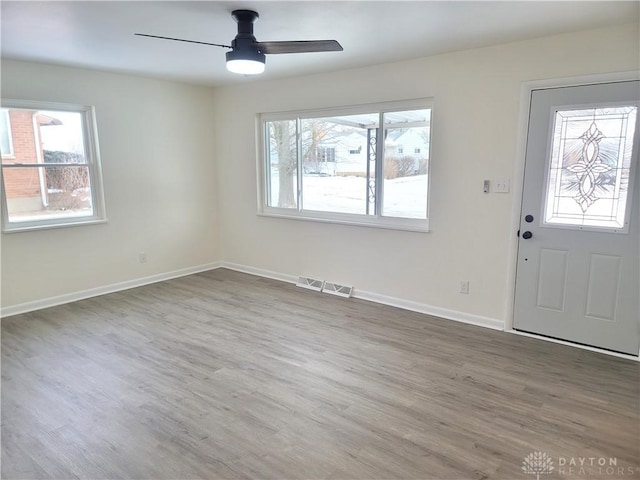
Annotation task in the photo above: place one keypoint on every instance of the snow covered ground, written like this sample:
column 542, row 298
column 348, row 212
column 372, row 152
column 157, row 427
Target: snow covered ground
column 403, row 197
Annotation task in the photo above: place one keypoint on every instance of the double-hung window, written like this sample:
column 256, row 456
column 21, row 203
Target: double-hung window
column 348, row 165
column 50, row 166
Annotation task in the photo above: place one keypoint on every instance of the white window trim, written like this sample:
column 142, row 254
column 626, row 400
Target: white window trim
column 92, row 155
column 377, row 220
column 10, row 153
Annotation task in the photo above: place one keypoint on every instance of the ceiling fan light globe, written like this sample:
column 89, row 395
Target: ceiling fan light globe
column 245, row 61
column 245, row 67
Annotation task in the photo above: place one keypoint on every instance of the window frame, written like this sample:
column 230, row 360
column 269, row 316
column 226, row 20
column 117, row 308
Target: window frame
column 376, row 220
column 93, row 164
column 10, row 153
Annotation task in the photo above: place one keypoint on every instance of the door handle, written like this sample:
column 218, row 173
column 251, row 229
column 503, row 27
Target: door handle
column 527, row 235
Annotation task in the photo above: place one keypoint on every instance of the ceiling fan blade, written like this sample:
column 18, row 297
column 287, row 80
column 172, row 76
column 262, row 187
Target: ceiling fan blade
column 301, row 46
column 182, row 40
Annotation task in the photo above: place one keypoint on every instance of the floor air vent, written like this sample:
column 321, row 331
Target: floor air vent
column 310, row 283
column 337, row 289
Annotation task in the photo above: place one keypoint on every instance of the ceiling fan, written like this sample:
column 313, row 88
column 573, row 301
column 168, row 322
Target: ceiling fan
column 247, row 55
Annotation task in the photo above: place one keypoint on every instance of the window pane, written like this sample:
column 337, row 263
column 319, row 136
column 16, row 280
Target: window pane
column 406, row 163
column 62, row 136
column 42, row 193
column 588, row 179
column 282, row 164
column 334, row 158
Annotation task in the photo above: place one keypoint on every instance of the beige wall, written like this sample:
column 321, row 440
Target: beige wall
column 156, row 145
column 164, row 175
column 475, row 130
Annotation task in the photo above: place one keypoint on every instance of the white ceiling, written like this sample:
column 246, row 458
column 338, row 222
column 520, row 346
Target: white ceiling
column 99, row 34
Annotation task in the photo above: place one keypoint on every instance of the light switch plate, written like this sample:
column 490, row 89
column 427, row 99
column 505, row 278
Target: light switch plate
column 501, row 185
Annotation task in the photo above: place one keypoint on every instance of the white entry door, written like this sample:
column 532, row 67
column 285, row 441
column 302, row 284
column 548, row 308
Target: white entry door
column 578, row 252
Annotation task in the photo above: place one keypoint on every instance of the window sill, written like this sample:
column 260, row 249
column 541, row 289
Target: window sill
column 18, row 228
column 388, row 223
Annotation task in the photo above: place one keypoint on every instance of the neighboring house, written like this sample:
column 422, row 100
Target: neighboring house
column 344, row 155
column 407, row 143
column 347, row 154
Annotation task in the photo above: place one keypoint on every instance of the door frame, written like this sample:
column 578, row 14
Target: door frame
column 526, row 90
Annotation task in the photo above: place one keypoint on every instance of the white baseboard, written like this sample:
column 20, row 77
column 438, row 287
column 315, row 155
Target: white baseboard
column 445, row 313
column 362, row 294
column 283, row 277
column 427, row 309
column 112, row 288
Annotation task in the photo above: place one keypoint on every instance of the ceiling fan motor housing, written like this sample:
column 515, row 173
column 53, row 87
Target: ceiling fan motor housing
column 245, row 20
column 244, row 44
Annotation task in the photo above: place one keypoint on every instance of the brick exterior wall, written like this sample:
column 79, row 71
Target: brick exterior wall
column 23, row 182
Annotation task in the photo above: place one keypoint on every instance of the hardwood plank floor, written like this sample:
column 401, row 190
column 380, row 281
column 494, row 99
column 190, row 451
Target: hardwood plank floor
column 226, row 375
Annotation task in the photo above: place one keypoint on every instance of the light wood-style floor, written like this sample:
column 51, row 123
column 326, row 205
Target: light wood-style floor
column 226, row 375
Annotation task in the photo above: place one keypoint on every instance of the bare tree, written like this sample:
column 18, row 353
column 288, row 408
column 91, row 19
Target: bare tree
column 66, row 183
column 283, row 136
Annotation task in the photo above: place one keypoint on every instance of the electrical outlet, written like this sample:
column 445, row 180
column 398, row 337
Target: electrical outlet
column 464, row 287
column 142, row 257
